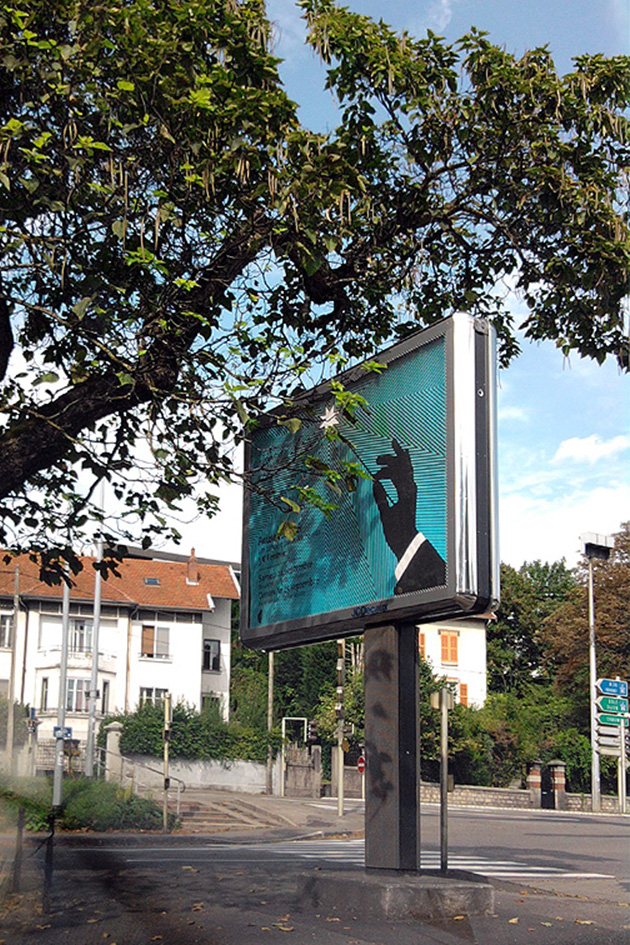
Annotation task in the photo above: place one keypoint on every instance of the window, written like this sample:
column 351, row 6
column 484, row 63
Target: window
column 422, row 646
column 212, row 655
column 6, row 625
column 152, row 581
column 80, row 635
column 43, row 696
column 151, row 695
column 211, row 704
column 449, row 647
column 77, row 695
column 154, row 642
column 105, row 697
column 463, row 693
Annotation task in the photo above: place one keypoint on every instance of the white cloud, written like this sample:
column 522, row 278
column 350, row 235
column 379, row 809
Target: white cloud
column 513, row 413
column 590, row 449
column 532, row 527
column 440, row 14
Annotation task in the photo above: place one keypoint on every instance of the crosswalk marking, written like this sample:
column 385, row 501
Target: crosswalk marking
column 352, row 852
column 346, row 852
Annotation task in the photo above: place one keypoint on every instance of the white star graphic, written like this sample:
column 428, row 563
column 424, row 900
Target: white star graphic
column 330, row 417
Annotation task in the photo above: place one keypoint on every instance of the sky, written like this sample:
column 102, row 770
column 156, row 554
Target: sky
column 563, row 424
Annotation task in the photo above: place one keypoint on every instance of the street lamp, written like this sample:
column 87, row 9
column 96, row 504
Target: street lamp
column 596, row 547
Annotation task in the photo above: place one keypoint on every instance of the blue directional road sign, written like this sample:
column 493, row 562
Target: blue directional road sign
column 65, row 732
column 613, row 687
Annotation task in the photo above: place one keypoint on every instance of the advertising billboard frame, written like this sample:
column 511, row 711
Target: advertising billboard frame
column 471, row 582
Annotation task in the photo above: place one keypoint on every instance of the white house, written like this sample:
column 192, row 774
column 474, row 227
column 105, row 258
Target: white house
column 165, row 627
column 456, row 649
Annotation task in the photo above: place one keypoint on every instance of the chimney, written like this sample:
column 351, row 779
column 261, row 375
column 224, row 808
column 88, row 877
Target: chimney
column 192, row 574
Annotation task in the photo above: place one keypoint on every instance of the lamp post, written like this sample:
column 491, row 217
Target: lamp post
column 596, row 547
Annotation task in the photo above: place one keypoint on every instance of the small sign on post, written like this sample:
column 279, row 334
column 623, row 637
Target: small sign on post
column 64, row 732
column 613, row 687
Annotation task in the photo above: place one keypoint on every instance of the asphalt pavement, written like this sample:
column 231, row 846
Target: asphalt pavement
column 215, row 890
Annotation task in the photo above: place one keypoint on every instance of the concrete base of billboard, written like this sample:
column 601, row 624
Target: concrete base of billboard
column 383, row 894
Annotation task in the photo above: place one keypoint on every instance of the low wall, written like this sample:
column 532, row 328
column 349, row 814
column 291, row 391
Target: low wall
column 248, row 777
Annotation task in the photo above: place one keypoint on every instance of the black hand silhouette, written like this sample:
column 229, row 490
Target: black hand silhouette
column 398, row 518
column 425, row 568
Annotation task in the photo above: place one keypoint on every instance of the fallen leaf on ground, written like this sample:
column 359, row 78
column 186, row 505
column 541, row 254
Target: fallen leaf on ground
column 584, row 922
column 198, row 907
column 458, row 918
column 333, row 919
column 548, row 924
column 191, row 868
column 47, row 926
column 513, row 921
column 91, row 921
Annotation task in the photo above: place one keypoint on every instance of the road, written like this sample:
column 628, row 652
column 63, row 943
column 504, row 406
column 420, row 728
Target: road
column 560, row 879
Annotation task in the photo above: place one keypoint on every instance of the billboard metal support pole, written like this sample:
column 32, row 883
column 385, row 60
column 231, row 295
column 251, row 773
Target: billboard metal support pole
column 392, row 802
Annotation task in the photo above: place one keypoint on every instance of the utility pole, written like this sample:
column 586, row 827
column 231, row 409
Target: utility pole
column 595, row 547
column 61, row 701
column 96, row 624
column 11, row 693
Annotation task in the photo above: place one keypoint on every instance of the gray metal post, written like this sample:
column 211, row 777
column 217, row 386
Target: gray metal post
column 444, row 706
column 167, row 737
column 96, row 625
column 596, row 802
column 270, row 722
column 61, row 706
column 341, row 717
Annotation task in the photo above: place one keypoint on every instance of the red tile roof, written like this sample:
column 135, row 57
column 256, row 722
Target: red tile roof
column 173, row 592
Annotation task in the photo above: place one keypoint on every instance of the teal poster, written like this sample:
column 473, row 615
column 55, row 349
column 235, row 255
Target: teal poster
column 386, row 538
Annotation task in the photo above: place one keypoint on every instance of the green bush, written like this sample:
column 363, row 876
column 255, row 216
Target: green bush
column 87, row 805
column 194, row 735
column 101, row 805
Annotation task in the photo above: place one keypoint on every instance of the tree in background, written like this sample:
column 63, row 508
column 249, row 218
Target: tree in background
column 516, row 642
column 566, row 630
column 178, row 250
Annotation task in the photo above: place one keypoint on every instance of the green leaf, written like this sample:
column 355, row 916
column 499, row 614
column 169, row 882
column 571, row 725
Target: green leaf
column 288, row 530
column 50, row 377
column 293, row 424
column 292, row 505
column 125, row 85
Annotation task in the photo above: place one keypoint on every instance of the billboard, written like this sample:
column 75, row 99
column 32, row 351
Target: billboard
column 416, row 536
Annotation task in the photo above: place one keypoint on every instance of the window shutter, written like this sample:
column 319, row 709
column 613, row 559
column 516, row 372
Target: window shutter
column 463, row 693
column 148, row 634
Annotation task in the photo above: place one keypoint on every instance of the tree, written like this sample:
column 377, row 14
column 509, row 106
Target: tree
column 567, row 629
column 516, row 643
column 178, row 250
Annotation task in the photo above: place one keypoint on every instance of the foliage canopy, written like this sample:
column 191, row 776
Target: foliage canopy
column 178, row 251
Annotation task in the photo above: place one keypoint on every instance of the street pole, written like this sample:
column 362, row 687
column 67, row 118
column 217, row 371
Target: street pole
column 340, row 710
column 596, row 802
column 96, row 624
column 270, row 723
column 444, row 706
column 61, row 702
column 168, row 717
column 11, row 693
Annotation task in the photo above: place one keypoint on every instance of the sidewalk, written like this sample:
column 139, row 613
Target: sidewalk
column 101, row 900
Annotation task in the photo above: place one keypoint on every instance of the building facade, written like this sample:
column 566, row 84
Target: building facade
column 165, row 626
column 456, row 649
